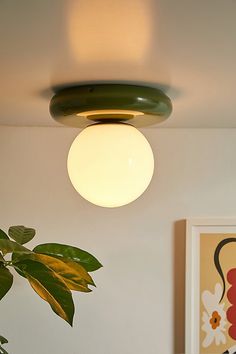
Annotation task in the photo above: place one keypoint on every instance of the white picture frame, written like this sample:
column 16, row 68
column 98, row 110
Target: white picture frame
column 194, row 227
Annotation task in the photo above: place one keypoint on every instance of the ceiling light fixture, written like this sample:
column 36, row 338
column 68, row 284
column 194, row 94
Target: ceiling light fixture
column 110, row 163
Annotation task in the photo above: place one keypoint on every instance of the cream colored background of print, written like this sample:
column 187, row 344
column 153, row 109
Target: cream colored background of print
column 209, row 277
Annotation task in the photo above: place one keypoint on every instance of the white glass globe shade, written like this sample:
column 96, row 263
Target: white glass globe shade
column 110, row 165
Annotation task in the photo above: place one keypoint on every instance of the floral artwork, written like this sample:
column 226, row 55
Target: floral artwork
column 214, row 317
column 218, row 293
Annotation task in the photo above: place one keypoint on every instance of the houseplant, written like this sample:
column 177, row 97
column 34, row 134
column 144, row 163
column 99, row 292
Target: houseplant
column 53, row 270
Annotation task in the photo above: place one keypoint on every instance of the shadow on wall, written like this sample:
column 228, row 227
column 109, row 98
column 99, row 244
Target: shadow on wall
column 110, row 41
column 179, row 286
column 115, row 41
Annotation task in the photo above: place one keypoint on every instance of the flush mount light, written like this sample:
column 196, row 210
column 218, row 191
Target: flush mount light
column 110, row 163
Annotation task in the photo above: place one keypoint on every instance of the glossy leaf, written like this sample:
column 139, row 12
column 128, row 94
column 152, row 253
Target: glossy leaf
column 7, row 246
column 6, row 280
column 17, row 257
column 88, row 261
column 49, row 286
column 3, row 351
column 3, row 235
column 3, row 340
column 72, row 273
column 79, row 269
column 21, row 234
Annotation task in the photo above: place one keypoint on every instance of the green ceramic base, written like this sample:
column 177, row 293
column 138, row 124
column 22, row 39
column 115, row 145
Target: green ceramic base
column 81, row 106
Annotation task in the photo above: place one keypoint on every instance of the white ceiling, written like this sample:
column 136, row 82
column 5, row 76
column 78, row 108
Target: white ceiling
column 186, row 47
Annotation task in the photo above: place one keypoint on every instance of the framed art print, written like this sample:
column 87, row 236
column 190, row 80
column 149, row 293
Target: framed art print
column 210, row 286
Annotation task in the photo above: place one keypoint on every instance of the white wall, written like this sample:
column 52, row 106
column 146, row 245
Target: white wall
column 138, row 306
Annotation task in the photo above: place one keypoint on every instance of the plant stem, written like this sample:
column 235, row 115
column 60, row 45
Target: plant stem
column 3, row 351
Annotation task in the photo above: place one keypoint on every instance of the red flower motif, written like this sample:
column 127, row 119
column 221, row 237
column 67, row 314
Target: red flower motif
column 231, row 295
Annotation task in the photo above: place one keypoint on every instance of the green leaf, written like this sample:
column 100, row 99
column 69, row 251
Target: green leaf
column 21, row 234
column 79, row 270
column 3, row 340
column 49, row 286
column 72, row 273
column 6, row 280
column 17, row 257
column 3, row 235
column 7, row 246
column 89, row 262
column 3, row 351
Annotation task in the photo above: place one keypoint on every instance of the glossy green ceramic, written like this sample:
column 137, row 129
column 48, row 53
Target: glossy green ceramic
column 151, row 104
